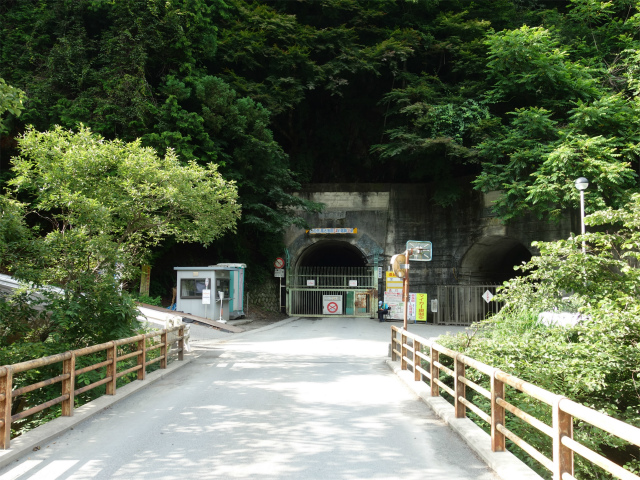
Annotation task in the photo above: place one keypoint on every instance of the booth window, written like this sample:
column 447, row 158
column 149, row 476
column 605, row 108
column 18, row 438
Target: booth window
column 193, row 287
column 222, row 285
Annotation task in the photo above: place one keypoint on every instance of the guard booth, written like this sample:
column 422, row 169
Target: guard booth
column 205, row 291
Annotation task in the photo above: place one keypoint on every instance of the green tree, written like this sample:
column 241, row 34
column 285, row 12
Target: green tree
column 108, row 202
column 80, row 216
column 11, row 102
column 139, row 69
column 94, row 210
column 571, row 111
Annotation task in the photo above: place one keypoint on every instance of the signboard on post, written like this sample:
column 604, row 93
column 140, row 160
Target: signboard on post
column 421, row 307
column 417, row 308
column 393, row 299
column 421, row 251
column 279, row 263
column 332, row 304
column 279, row 273
column 206, row 297
column 393, row 282
column 411, row 308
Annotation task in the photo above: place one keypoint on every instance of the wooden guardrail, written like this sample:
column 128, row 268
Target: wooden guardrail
column 69, row 373
column 563, row 409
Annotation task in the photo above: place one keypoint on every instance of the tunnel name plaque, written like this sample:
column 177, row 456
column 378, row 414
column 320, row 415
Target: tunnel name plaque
column 332, row 231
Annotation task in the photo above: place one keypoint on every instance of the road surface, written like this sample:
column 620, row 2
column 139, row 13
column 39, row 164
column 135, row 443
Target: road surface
column 311, row 399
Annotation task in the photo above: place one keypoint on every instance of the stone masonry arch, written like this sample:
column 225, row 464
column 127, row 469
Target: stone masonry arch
column 491, row 260
column 357, row 251
column 471, row 246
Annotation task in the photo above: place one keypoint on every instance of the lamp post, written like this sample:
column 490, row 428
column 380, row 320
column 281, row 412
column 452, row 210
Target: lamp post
column 582, row 184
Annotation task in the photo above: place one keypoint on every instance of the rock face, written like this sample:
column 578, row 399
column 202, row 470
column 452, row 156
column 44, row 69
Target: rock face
column 365, row 224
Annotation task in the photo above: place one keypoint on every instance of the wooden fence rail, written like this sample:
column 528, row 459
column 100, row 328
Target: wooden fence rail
column 564, row 411
column 69, row 374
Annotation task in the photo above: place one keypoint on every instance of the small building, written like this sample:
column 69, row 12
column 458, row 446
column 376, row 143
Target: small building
column 213, row 292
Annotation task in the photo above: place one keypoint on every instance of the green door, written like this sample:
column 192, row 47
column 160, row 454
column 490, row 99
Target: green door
column 348, row 310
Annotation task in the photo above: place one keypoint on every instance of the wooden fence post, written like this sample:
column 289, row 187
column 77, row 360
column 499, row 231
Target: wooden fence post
column 181, row 343
column 163, row 349
column 6, row 386
column 460, row 388
column 403, row 350
column 112, row 368
column 435, row 372
column 497, row 414
column 417, row 361
column 394, row 335
column 562, row 427
column 69, row 385
column 142, row 358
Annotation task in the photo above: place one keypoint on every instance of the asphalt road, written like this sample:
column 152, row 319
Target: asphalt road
column 311, row 399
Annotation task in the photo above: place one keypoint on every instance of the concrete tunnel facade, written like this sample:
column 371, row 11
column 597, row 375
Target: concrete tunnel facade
column 372, row 222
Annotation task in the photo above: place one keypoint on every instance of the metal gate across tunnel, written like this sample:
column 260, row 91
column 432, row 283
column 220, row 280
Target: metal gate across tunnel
column 352, row 289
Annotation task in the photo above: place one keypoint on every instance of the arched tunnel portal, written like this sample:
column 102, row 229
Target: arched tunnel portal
column 487, row 263
column 332, row 277
column 332, row 253
column 492, row 259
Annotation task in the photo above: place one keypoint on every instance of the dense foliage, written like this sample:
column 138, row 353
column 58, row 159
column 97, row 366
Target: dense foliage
column 80, row 217
column 150, row 70
column 11, row 103
column 82, row 214
column 523, row 95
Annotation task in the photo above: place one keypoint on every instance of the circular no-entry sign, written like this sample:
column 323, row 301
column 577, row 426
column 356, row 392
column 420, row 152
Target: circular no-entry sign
column 332, row 307
column 279, row 263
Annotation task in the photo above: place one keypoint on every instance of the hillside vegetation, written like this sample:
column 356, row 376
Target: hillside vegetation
column 139, row 125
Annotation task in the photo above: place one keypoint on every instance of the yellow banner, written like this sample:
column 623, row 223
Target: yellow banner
column 421, row 307
column 393, row 282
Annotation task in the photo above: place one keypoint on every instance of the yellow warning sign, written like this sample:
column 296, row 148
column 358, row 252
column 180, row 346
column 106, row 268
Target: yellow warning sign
column 393, row 282
column 421, row 307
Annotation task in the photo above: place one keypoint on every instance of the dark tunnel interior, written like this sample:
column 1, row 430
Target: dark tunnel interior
column 332, row 253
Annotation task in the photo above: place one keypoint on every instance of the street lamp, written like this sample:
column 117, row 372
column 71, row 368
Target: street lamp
column 582, row 184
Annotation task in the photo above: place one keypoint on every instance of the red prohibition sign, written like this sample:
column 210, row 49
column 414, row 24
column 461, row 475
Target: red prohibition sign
column 332, row 307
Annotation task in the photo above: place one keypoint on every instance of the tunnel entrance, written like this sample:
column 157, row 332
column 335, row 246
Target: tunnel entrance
column 331, row 278
column 332, row 253
column 491, row 260
column 486, row 265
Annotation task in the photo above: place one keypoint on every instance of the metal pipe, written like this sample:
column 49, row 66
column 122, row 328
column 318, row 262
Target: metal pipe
column 405, row 292
column 582, row 229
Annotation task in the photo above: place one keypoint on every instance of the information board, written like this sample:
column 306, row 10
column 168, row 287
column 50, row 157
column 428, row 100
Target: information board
column 206, row 297
column 393, row 282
